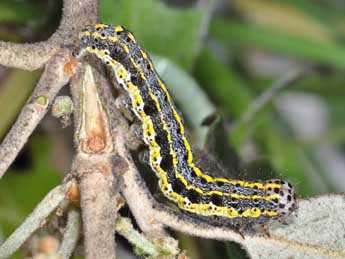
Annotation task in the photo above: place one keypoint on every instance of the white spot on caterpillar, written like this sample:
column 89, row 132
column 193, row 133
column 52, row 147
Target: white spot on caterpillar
column 169, row 188
column 140, row 108
column 213, row 207
column 157, row 160
column 128, row 77
column 187, row 202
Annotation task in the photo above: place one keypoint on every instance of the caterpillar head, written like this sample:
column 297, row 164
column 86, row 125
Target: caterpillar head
column 104, row 40
column 95, row 38
column 287, row 202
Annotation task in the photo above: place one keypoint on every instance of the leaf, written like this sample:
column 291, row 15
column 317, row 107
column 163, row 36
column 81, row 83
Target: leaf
column 316, row 232
column 284, row 17
column 236, row 34
column 222, row 83
column 162, row 30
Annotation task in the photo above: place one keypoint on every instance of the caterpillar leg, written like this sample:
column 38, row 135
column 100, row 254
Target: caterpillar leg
column 123, row 100
column 144, row 157
column 135, row 133
column 123, row 104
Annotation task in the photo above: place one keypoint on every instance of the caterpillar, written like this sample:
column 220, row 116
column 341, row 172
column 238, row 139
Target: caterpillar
column 171, row 154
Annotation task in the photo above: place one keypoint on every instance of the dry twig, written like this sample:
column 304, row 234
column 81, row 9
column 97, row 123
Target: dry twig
column 34, row 220
column 52, row 80
column 71, row 234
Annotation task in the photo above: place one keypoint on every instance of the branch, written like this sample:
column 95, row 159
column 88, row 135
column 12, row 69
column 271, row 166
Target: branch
column 71, row 235
column 26, row 56
column 76, row 15
column 193, row 227
column 33, row 221
column 124, row 227
column 52, row 80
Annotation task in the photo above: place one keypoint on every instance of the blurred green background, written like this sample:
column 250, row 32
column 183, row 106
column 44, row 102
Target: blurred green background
column 218, row 58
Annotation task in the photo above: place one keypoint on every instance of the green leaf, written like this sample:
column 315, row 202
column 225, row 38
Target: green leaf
column 236, row 34
column 222, row 84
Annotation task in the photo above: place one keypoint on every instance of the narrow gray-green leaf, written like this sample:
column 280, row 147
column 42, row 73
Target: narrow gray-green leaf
column 237, row 34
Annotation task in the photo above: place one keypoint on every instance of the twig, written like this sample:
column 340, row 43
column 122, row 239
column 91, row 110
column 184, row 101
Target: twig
column 195, row 228
column 71, row 235
column 52, row 80
column 207, row 7
column 33, row 221
column 145, row 247
column 26, row 56
column 76, row 15
column 134, row 188
column 125, row 228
